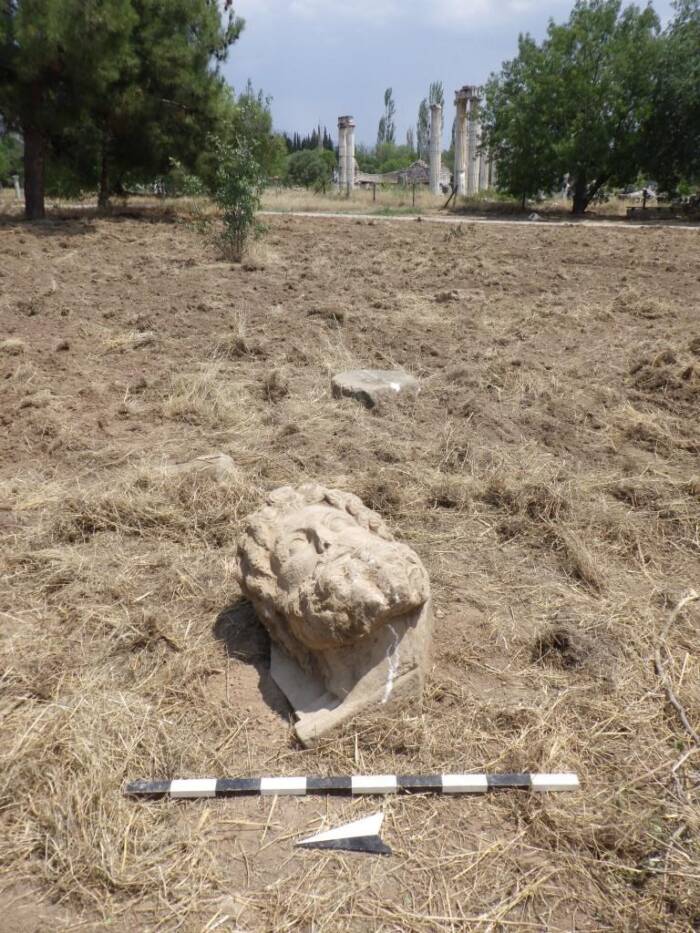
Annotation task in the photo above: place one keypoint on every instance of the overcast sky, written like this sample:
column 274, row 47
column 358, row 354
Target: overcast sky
column 318, row 59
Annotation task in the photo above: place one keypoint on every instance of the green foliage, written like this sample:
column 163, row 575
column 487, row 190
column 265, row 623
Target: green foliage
column 110, row 88
column 436, row 93
column 252, row 121
column 311, row 168
column 10, row 158
column 386, row 133
column 423, row 130
column 181, row 183
column 238, row 188
column 387, row 157
column 575, row 103
column 245, row 120
column 54, row 56
column 317, row 139
column 672, row 131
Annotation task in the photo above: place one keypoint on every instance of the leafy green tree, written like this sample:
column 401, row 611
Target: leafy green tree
column 392, row 158
column 411, row 139
column 436, row 95
column 169, row 96
column 109, row 85
column 423, row 129
column 52, row 54
column 516, row 128
column 386, row 133
column 366, row 159
column 10, row 158
column 314, row 140
column 247, row 118
column 575, row 103
column 311, row 168
column 672, row 131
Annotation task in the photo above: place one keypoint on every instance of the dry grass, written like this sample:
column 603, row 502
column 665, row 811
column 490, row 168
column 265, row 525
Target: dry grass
column 554, row 501
column 388, row 199
column 207, row 397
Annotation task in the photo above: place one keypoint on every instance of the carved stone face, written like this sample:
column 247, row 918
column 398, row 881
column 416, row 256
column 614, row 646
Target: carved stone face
column 339, row 580
column 347, row 607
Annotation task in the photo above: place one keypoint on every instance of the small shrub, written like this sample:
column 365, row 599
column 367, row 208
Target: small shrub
column 238, row 188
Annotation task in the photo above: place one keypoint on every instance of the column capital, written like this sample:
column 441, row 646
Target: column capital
column 468, row 92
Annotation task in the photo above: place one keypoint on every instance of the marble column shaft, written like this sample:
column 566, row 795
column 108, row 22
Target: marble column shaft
column 435, row 147
column 460, row 164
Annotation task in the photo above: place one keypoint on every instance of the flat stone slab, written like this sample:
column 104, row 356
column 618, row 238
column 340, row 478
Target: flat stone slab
column 217, row 466
column 370, row 386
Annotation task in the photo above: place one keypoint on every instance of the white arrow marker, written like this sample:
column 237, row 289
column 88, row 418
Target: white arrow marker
column 358, row 836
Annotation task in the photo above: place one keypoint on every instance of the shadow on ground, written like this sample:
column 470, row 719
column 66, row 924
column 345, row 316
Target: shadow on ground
column 76, row 220
column 246, row 640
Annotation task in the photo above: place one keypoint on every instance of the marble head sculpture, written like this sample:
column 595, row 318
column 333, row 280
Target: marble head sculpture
column 346, row 605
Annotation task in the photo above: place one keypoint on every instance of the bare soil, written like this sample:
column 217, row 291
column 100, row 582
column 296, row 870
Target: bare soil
column 547, row 474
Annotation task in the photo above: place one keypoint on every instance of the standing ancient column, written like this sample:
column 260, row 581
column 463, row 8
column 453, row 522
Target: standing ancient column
column 483, row 163
column 350, row 155
column 472, row 141
column 435, row 147
column 460, row 171
column 342, row 155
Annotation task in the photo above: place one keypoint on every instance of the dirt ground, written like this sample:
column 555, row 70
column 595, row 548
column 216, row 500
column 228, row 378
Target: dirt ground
column 547, row 474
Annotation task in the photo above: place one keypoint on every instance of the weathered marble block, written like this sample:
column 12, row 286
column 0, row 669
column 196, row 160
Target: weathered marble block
column 370, row 386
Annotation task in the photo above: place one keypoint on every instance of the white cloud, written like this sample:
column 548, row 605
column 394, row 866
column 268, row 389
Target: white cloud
column 447, row 13
column 477, row 13
column 324, row 12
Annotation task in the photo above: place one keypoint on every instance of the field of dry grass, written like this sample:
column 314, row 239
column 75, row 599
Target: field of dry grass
column 547, row 474
column 399, row 200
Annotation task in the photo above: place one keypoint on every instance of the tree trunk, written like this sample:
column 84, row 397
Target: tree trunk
column 581, row 198
column 103, row 196
column 34, row 165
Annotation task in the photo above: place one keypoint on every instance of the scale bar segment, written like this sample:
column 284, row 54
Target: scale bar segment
column 352, row 785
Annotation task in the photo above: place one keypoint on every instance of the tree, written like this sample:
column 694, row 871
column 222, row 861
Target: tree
column 386, row 132
column 297, row 142
column 576, row 103
column 237, row 190
column 672, row 131
column 423, row 130
column 172, row 97
column 250, row 119
column 436, row 93
column 51, row 53
column 312, row 168
column 410, row 139
column 111, row 84
column 10, row 157
column 516, row 128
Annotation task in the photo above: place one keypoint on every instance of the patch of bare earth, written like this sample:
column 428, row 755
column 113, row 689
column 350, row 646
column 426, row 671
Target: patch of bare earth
column 547, row 474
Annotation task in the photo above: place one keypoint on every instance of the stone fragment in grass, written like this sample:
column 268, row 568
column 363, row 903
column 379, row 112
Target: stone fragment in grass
column 371, row 386
column 13, row 346
column 443, row 298
column 217, row 466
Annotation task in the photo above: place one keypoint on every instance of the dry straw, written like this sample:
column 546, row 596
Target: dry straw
column 552, row 500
